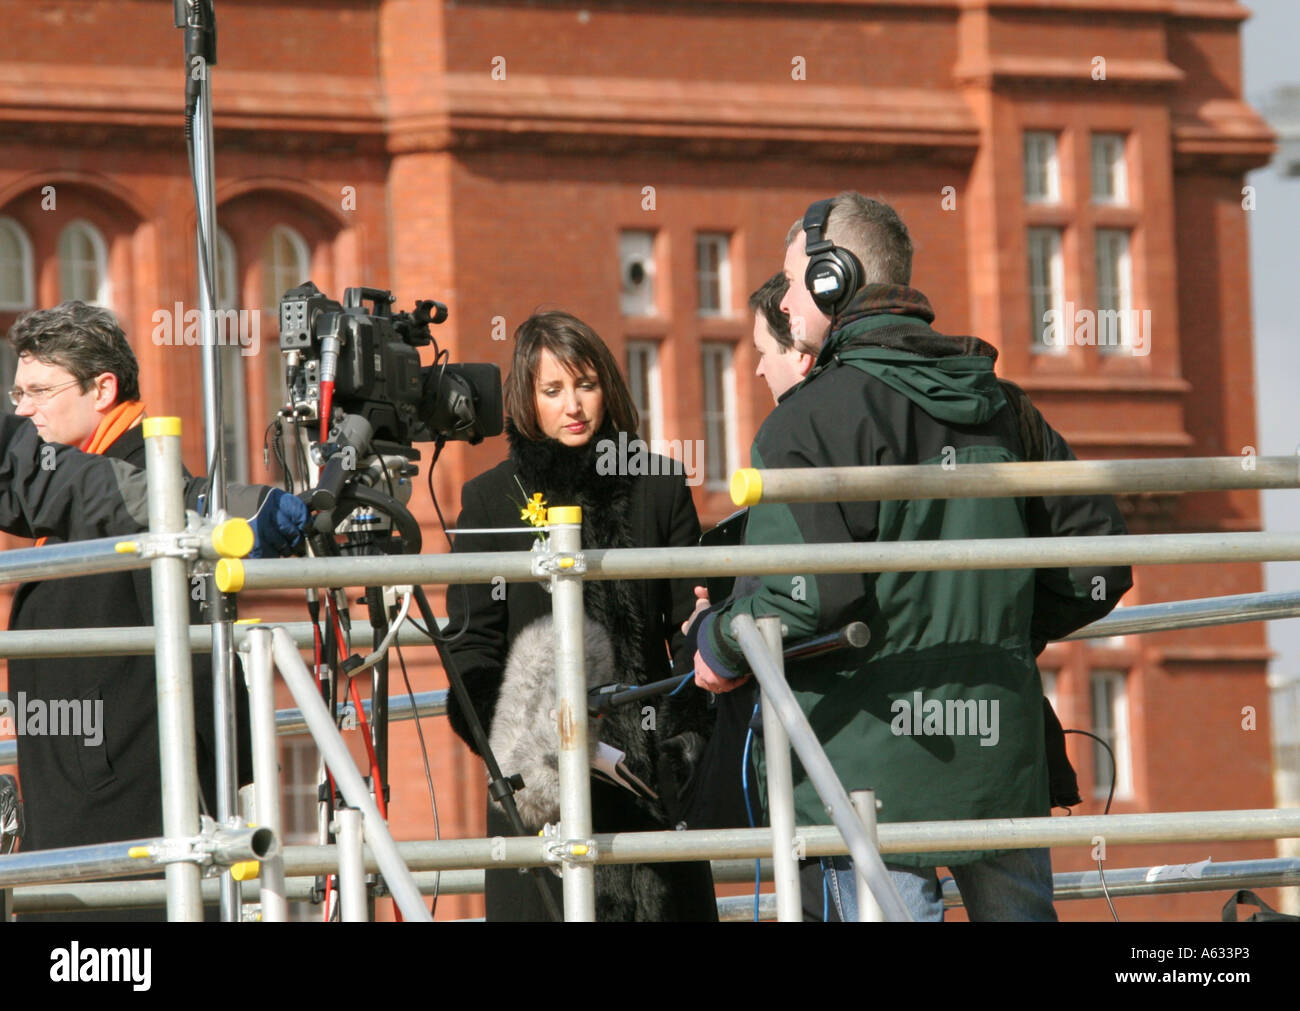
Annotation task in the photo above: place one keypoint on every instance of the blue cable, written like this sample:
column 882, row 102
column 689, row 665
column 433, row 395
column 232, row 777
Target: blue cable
column 685, row 680
column 749, row 813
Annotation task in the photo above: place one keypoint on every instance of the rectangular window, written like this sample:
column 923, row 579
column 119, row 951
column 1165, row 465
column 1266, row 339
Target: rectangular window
column 719, row 409
column 1109, row 171
column 1110, row 722
column 713, row 274
column 643, row 381
column 1042, row 172
column 1047, row 292
column 299, row 807
column 1116, row 325
column 636, row 257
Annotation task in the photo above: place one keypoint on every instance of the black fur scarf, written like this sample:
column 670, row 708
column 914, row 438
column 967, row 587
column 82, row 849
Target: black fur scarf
column 567, row 476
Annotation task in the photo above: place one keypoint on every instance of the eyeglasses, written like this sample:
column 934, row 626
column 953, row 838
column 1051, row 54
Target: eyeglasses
column 38, row 394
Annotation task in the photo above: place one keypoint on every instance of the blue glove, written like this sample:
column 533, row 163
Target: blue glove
column 279, row 524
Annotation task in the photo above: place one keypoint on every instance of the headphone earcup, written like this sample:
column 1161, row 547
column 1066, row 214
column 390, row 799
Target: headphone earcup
column 833, row 277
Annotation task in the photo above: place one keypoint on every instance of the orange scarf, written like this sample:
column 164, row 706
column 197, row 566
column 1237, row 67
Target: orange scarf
column 111, row 428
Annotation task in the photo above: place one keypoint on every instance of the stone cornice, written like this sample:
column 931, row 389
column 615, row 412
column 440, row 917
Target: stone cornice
column 582, row 113
column 1215, row 10
column 1221, row 135
column 146, row 97
column 1065, row 71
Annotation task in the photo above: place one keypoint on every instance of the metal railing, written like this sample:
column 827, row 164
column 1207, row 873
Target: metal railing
column 565, row 565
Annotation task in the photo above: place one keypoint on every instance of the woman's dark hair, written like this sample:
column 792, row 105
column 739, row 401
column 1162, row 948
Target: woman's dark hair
column 84, row 339
column 575, row 346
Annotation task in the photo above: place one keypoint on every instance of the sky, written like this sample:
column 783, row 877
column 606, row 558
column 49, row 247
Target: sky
column 1269, row 42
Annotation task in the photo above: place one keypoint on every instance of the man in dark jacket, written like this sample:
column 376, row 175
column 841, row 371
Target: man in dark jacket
column 77, row 380
column 942, row 713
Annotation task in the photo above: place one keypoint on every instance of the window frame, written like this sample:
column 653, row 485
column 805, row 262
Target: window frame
column 1114, row 170
column 1050, row 166
column 99, row 252
column 720, row 241
column 723, row 416
column 1115, row 706
column 648, row 258
column 1055, row 289
column 26, row 267
column 652, row 411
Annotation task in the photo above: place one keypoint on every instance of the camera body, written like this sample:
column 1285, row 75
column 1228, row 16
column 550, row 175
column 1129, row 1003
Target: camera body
column 371, row 355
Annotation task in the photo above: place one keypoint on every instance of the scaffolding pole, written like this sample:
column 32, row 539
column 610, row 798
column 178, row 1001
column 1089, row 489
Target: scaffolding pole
column 817, row 767
column 1069, row 885
column 780, row 788
column 303, row 688
column 171, row 617
column 1007, row 480
column 138, row 856
column 825, row 840
column 576, row 847
column 770, row 559
column 139, row 641
column 260, row 677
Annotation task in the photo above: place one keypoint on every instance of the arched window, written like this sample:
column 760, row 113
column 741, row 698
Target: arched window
column 16, row 275
column 83, row 264
column 285, row 265
column 227, row 279
column 234, row 418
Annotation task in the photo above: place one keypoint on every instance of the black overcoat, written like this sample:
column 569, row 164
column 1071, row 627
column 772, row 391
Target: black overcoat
column 643, row 618
column 76, row 793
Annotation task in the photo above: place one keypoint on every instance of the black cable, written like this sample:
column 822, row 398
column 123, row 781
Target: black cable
column 1114, row 775
column 499, row 787
column 464, row 590
column 428, row 776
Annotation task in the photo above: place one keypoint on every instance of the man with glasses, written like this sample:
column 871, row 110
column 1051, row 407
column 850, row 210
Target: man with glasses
column 78, row 382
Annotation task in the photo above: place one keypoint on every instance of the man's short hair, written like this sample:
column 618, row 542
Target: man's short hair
column 767, row 301
column 84, row 339
column 873, row 232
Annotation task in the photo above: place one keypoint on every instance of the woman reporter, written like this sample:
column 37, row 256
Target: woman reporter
column 564, row 398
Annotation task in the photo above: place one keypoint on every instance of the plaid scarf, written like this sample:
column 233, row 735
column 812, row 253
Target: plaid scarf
column 876, row 299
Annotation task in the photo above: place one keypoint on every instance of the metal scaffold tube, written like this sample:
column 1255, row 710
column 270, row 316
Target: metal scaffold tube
column 825, row 840
column 780, row 788
column 352, row 872
column 137, row 856
column 303, row 688
column 116, row 554
column 817, row 766
column 1142, row 618
column 259, row 673
column 1166, row 617
column 1002, row 480
column 176, row 736
column 139, row 641
column 571, row 713
column 1069, row 885
column 775, row 559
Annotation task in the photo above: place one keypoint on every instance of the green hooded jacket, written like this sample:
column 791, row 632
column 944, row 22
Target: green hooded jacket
column 941, row 713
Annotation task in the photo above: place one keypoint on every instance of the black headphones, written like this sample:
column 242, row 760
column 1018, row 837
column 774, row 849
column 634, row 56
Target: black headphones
column 834, row 274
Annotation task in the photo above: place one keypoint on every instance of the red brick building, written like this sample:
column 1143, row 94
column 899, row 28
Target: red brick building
column 501, row 156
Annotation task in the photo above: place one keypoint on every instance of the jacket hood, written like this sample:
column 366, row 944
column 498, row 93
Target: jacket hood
column 950, row 378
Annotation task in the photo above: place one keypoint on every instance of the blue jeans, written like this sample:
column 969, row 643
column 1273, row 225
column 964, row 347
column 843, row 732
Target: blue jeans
column 1015, row 885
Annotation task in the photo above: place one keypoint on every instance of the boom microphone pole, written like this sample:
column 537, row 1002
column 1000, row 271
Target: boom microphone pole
column 199, row 21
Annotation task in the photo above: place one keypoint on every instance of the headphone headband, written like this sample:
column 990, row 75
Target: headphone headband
column 834, row 274
column 814, row 226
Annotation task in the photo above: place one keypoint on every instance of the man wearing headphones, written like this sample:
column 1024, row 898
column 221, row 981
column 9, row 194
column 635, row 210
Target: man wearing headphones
column 942, row 713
